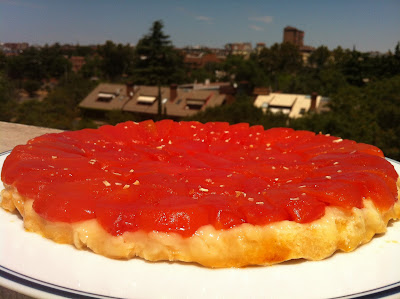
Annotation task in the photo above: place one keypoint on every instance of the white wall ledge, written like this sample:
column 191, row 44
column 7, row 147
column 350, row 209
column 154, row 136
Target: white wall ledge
column 12, row 134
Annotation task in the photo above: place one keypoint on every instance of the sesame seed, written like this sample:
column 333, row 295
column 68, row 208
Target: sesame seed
column 131, row 170
column 328, row 177
column 126, row 187
column 302, row 186
column 193, row 126
column 203, row 189
column 273, row 167
column 65, row 168
column 106, row 183
column 336, row 163
column 118, row 184
column 136, row 183
column 339, row 171
column 116, row 173
column 337, row 140
column 222, row 186
column 286, row 168
column 294, row 198
column 54, row 157
column 229, row 175
column 268, row 144
column 250, row 199
column 259, row 202
column 289, row 181
column 169, row 142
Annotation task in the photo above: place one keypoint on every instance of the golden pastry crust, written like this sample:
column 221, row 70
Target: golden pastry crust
column 239, row 246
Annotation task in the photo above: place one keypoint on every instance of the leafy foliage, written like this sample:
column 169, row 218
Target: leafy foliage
column 156, row 61
column 242, row 110
column 364, row 88
column 116, row 60
column 369, row 114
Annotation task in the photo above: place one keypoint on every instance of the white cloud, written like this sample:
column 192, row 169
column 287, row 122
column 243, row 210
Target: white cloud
column 262, row 19
column 256, row 28
column 193, row 15
column 203, row 18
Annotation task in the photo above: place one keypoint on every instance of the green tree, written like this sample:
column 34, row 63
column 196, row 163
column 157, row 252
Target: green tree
column 7, row 95
column 92, row 67
column 369, row 114
column 320, row 57
column 31, row 87
column 239, row 69
column 280, row 63
column 116, row 59
column 156, row 62
column 283, row 57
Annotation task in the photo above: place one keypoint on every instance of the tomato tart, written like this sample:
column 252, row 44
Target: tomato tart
column 215, row 194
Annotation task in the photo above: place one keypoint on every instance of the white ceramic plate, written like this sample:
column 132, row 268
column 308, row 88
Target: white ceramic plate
column 38, row 267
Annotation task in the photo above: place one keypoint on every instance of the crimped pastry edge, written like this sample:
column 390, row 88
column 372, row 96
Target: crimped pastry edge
column 240, row 246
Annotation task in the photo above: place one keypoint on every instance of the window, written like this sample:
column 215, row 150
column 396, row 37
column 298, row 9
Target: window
column 104, row 97
column 195, row 104
column 146, row 100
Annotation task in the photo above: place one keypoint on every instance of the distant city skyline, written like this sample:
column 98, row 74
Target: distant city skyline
column 367, row 25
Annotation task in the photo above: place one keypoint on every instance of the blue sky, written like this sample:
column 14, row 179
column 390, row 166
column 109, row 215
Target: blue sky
column 369, row 25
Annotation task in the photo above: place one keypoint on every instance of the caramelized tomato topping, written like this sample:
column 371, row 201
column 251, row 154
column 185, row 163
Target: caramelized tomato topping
column 178, row 176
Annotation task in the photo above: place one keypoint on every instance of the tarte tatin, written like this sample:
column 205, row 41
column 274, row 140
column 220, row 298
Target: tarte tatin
column 216, row 194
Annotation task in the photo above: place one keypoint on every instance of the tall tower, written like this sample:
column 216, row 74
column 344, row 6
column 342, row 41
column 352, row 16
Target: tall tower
column 293, row 35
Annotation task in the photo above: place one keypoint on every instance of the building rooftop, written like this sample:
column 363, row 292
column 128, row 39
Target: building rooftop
column 294, row 105
column 178, row 101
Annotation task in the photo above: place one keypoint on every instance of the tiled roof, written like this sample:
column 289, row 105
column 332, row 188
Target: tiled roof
column 117, row 96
